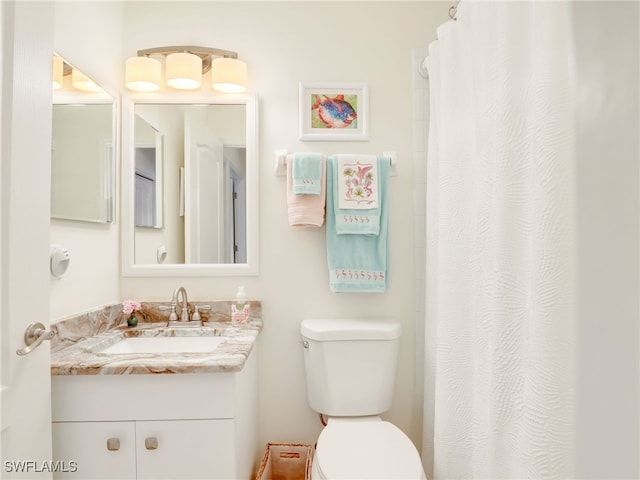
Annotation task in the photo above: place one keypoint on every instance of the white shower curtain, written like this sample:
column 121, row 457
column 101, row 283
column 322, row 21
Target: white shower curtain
column 500, row 363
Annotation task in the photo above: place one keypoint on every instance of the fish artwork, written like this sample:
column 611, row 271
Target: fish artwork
column 334, row 112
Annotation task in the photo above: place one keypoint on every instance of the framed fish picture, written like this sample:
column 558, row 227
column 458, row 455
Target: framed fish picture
column 333, row 112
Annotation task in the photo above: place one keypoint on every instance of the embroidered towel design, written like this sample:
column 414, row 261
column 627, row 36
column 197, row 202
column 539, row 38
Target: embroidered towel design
column 358, row 182
column 305, row 210
column 357, row 187
column 357, row 262
column 307, row 173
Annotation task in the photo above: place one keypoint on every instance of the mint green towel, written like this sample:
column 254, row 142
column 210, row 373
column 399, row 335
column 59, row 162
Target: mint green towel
column 357, row 262
column 307, row 173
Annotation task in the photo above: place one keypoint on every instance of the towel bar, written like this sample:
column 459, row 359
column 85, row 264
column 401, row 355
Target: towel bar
column 281, row 166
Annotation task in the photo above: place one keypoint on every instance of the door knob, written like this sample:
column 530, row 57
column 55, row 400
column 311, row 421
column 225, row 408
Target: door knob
column 34, row 336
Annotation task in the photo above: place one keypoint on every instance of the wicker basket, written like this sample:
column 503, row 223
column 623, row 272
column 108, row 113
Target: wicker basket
column 286, row 461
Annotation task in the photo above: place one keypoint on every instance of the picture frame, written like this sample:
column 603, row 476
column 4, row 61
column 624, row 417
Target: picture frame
column 334, row 111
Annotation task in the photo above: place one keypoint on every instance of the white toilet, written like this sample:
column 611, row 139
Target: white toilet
column 351, row 368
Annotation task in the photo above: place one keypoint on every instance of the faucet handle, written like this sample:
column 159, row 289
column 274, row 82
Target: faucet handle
column 172, row 315
column 197, row 309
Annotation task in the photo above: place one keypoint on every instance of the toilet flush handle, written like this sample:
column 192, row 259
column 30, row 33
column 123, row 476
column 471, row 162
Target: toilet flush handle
column 305, row 344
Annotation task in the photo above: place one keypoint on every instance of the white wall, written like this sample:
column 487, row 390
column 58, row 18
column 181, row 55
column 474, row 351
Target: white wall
column 607, row 147
column 285, row 43
column 88, row 35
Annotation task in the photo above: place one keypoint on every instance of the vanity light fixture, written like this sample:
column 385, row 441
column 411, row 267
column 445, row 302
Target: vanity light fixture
column 184, row 67
column 228, row 75
column 143, row 74
column 183, row 71
column 79, row 80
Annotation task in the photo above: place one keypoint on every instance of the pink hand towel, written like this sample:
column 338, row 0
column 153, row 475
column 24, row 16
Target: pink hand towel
column 305, row 210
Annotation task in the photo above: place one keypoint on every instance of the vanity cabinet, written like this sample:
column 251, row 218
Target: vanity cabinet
column 184, row 426
column 147, row 450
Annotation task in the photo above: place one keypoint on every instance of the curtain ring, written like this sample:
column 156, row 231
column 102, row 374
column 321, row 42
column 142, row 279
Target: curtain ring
column 452, row 12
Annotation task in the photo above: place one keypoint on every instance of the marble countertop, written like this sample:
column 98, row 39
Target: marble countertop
column 86, row 357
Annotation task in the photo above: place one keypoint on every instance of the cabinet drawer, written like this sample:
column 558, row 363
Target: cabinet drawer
column 142, row 397
column 88, row 446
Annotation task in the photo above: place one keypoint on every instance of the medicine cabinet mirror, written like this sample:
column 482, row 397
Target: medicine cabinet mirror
column 82, row 151
column 190, row 170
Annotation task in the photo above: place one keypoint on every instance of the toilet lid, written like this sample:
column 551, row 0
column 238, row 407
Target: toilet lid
column 366, row 450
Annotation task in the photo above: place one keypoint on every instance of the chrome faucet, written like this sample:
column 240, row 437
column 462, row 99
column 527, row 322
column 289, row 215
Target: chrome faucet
column 184, row 312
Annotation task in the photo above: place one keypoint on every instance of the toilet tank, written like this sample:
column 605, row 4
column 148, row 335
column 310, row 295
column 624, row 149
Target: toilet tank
column 350, row 365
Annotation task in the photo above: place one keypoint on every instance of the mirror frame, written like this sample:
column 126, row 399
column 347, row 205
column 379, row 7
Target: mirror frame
column 129, row 267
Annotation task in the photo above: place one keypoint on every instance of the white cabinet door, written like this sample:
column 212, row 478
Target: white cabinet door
column 185, row 449
column 100, row 450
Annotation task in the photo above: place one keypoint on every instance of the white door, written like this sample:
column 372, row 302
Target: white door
column 26, row 29
column 204, row 192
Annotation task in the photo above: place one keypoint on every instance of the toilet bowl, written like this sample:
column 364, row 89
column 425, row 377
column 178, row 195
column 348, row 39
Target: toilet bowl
column 369, row 448
column 350, row 367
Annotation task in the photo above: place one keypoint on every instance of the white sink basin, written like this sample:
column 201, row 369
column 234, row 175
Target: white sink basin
column 165, row 345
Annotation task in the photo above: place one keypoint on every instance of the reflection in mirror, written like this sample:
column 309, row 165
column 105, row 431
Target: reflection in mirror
column 194, row 193
column 83, row 153
column 148, row 158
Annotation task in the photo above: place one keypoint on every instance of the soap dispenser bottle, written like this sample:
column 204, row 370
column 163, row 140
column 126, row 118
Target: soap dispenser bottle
column 240, row 308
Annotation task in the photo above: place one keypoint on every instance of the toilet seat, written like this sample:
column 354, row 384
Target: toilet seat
column 370, row 448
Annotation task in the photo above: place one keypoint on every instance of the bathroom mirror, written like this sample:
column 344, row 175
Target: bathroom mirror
column 190, row 187
column 82, row 149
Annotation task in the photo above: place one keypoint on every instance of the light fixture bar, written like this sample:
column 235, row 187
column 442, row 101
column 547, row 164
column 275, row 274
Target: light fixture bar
column 205, row 53
column 183, row 70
